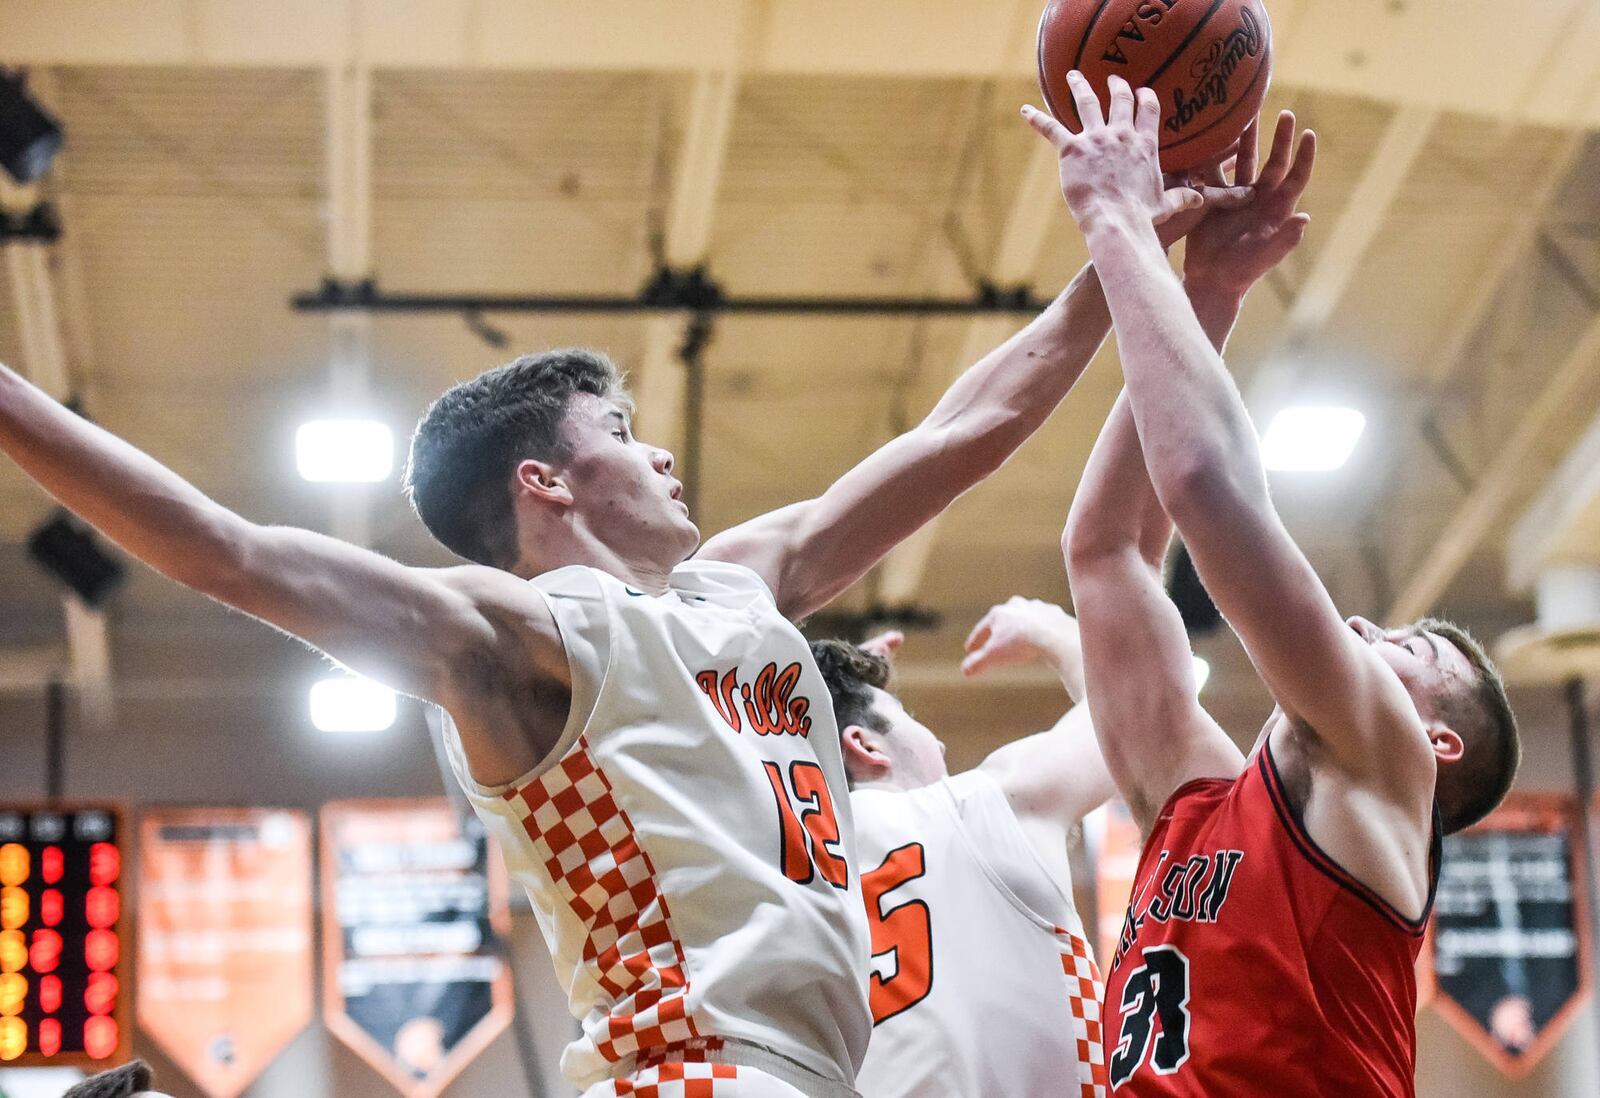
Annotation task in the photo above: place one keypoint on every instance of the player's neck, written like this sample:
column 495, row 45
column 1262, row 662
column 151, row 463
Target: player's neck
column 564, row 547
column 891, row 782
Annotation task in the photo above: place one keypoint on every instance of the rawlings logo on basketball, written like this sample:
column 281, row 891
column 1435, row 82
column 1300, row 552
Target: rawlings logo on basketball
column 770, row 705
column 1212, row 71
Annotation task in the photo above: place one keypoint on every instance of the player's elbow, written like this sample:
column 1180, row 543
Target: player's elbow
column 970, row 446
column 1093, row 542
column 1202, row 488
column 218, row 555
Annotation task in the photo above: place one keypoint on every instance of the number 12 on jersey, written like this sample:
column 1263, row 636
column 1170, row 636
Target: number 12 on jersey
column 808, row 830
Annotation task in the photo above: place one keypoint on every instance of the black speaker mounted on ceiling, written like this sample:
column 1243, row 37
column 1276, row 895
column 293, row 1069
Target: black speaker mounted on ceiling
column 29, row 137
column 71, row 552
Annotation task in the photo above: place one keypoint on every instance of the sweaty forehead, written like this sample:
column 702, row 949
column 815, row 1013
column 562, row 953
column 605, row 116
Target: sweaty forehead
column 588, row 415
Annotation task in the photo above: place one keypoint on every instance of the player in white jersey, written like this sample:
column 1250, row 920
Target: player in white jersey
column 645, row 734
column 982, row 981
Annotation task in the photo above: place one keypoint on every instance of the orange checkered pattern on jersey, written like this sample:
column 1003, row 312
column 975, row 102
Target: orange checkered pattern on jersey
column 1084, row 993
column 589, row 848
column 678, row 1080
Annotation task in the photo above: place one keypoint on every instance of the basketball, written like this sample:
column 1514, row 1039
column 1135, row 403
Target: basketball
column 1209, row 61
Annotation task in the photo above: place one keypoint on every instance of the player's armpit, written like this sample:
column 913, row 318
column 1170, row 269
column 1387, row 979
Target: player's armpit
column 477, row 641
column 1147, row 718
column 1057, row 776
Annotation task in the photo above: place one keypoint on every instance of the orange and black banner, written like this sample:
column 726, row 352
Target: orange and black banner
column 1509, row 940
column 62, row 986
column 414, row 919
column 225, row 961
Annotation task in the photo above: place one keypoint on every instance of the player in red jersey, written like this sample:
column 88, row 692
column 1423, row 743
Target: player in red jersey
column 1279, row 902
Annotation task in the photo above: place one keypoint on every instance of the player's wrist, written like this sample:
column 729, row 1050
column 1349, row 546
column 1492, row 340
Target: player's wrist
column 1215, row 293
column 1117, row 221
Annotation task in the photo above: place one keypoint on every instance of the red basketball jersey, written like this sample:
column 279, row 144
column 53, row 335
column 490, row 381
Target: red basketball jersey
column 1251, row 964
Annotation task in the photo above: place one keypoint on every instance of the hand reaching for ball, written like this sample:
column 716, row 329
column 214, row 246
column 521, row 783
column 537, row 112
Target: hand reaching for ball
column 1230, row 250
column 1112, row 169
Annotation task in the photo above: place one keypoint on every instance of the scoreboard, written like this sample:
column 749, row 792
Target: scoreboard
column 60, row 936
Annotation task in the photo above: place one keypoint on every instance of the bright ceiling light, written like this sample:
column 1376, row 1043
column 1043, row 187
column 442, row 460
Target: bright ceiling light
column 1202, row 674
column 350, row 703
column 347, row 451
column 1311, row 439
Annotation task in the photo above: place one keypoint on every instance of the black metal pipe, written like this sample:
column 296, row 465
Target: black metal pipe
column 380, row 302
column 55, row 736
column 1588, row 836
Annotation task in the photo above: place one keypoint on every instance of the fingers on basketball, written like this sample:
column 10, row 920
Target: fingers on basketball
column 1123, row 102
column 1248, row 160
column 1088, row 103
column 1149, row 118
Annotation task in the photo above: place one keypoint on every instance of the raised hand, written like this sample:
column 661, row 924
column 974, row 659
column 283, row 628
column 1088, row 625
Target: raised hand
column 1231, row 249
column 885, row 644
column 1113, row 168
column 1021, row 631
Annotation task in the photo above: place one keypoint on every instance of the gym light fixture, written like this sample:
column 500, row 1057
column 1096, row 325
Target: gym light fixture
column 1202, row 674
column 344, row 451
column 349, row 703
column 1312, row 439
column 29, row 138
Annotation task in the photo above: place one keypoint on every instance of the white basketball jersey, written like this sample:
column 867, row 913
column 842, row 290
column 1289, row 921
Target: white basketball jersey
column 688, row 844
column 982, row 982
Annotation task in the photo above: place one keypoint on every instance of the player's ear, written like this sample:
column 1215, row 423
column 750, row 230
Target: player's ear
column 1447, row 743
column 865, row 759
column 541, row 480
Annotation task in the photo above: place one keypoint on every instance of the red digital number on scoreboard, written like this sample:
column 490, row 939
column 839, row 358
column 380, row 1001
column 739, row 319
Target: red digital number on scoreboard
column 60, row 937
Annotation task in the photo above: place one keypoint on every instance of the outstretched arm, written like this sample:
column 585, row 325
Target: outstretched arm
column 1201, row 449
column 458, row 637
column 1140, row 673
column 1155, row 734
column 1058, row 776
column 811, row 552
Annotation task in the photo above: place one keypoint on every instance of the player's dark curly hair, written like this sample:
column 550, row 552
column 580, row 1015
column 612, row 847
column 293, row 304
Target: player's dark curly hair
column 1481, row 715
column 468, row 443
column 851, row 673
column 119, row 1082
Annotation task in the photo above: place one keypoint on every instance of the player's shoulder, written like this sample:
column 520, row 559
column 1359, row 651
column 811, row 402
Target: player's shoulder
column 719, row 580
column 901, row 804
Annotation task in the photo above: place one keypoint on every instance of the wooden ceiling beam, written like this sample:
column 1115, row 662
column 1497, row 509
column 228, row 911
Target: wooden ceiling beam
column 348, row 166
column 1428, row 52
column 1337, row 264
column 1547, row 532
column 1476, row 516
column 687, row 224
column 1035, row 206
column 45, row 362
